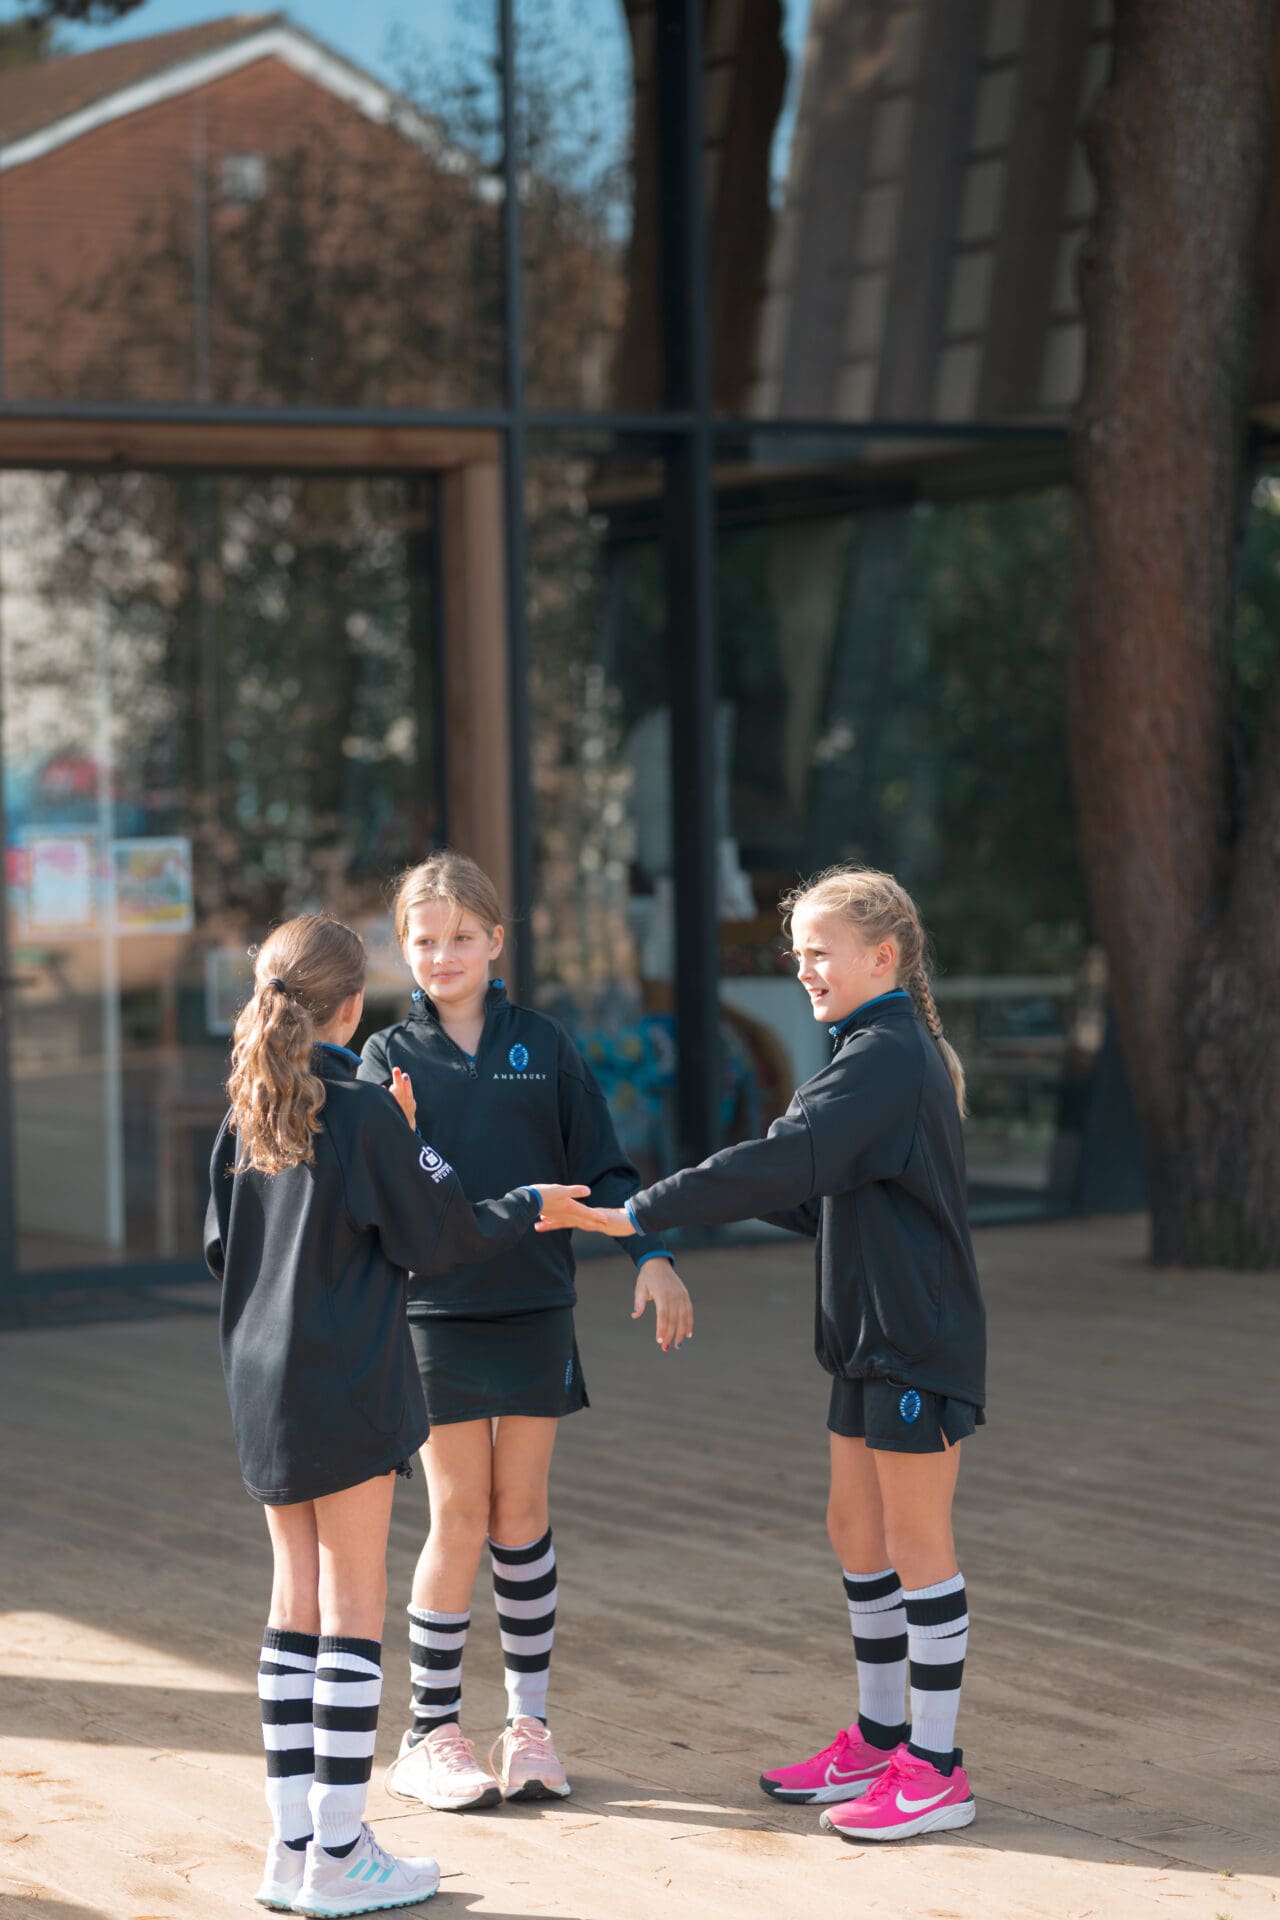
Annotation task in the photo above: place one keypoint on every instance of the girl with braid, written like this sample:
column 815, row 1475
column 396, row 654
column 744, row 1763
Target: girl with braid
column 868, row 1160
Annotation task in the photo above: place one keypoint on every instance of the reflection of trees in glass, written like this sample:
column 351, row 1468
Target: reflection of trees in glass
column 898, row 678
column 987, row 617
column 365, row 267
column 265, row 668
column 582, row 610
column 1257, row 649
column 367, row 273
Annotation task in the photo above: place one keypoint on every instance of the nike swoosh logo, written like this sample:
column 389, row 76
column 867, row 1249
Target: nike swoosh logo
column 835, row 1778
column 921, row 1806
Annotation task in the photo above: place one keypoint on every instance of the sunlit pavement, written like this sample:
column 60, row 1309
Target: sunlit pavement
column 1117, row 1528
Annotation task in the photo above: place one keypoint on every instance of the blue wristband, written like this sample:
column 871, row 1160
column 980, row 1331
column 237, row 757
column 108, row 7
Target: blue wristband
column 630, row 1212
column 654, row 1253
column 537, row 1196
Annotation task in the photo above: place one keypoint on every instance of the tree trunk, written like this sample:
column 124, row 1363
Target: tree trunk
column 1184, row 884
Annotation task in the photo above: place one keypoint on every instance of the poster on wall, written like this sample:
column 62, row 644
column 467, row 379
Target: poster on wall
column 152, row 885
column 59, row 895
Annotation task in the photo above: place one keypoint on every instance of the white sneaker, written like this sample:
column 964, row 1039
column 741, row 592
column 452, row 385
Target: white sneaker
column 281, row 1876
column 366, row 1880
column 442, row 1771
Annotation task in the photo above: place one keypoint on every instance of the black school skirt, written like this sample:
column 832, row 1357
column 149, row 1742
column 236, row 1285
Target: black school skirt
column 524, row 1363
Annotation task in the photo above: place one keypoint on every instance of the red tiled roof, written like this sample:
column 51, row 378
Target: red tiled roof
column 39, row 96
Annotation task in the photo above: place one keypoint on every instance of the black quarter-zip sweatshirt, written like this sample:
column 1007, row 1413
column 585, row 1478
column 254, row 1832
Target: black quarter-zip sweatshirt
column 314, row 1264
column 526, row 1107
column 869, row 1160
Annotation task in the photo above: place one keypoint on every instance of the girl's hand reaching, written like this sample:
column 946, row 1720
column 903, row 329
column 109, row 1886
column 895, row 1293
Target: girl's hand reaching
column 658, row 1281
column 401, row 1091
column 610, row 1220
column 560, row 1207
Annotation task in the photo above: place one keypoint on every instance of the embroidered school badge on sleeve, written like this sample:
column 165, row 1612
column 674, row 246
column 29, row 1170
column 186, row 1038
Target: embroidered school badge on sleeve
column 909, row 1406
column 430, row 1162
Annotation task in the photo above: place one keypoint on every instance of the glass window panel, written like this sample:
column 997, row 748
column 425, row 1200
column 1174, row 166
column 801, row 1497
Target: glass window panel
column 587, row 131
column 893, row 691
column 258, row 210
column 603, row 922
column 218, row 699
column 922, row 145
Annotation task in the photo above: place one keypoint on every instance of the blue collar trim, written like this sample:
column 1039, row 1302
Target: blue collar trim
column 331, row 1046
column 894, row 993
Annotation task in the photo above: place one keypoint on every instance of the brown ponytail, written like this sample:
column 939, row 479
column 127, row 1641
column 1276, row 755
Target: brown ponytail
column 302, row 975
column 881, row 909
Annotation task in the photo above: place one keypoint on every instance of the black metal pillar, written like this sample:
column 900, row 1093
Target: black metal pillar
column 689, row 548
column 513, row 470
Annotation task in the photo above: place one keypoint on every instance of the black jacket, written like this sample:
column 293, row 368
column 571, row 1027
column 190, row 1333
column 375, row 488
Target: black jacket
column 869, row 1159
column 527, row 1107
column 314, row 1264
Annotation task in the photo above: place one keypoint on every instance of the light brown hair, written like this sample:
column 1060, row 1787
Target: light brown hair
column 302, row 975
column 456, row 880
column 880, row 909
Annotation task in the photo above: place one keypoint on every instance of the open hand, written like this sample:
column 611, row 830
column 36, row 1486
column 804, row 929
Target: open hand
column 610, row 1220
column 560, row 1207
column 658, row 1281
column 401, row 1091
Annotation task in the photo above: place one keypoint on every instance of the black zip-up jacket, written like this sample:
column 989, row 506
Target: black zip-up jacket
column 314, row 1266
column 869, row 1159
column 526, row 1107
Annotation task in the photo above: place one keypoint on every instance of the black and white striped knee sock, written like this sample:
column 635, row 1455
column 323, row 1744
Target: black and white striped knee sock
column 879, row 1623
column 436, row 1641
column 938, row 1631
column 286, row 1680
column 524, row 1592
column 348, row 1693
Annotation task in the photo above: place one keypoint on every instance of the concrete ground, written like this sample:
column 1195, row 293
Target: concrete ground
column 1117, row 1522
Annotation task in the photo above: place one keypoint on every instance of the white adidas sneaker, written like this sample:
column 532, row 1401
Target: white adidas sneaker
column 281, row 1876
column 366, row 1880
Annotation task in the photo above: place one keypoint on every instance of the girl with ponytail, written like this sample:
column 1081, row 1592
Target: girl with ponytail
column 324, row 1197
column 869, row 1161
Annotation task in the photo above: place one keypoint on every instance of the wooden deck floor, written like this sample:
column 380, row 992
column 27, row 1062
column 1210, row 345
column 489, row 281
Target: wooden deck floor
column 1118, row 1530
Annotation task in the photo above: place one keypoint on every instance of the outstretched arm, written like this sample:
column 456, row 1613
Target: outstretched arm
column 757, row 1178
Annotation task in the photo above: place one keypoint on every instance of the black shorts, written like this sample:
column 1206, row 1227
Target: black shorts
column 899, row 1419
column 524, row 1363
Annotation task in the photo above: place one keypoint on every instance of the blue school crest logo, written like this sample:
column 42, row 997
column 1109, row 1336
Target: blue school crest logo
column 568, row 1376
column 909, row 1406
column 519, row 1057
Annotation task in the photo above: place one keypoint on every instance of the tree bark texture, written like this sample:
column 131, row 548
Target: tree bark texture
column 1184, row 883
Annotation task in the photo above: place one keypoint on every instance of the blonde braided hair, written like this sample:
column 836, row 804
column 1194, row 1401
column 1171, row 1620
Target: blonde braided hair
column 881, row 909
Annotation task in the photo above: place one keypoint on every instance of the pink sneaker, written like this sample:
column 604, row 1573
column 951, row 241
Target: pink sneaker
column 442, row 1772
column 528, row 1765
column 910, row 1796
column 840, row 1772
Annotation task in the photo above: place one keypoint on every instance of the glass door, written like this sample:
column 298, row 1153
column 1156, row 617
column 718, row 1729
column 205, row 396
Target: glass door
column 219, row 710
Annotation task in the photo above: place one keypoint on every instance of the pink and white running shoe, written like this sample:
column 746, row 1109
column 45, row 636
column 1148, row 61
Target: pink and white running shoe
column 840, row 1772
column 910, row 1797
column 528, row 1766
